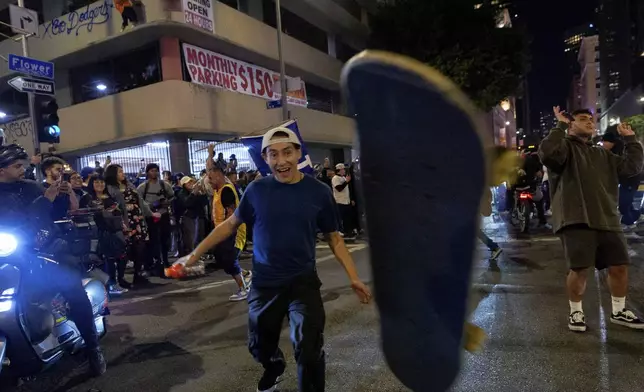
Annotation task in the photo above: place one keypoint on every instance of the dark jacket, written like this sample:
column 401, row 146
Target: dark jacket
column 23, row 205
column 193, row 205
column 584, row 178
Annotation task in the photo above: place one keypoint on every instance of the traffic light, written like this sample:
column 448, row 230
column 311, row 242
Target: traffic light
column 46, row 117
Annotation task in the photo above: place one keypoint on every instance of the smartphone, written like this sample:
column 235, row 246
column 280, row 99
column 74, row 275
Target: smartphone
column 67, row 177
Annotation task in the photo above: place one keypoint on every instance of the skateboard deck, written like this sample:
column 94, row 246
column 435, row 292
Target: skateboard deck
column 423, row 172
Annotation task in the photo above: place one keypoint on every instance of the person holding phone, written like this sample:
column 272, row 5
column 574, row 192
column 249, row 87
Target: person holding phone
column 52, row 169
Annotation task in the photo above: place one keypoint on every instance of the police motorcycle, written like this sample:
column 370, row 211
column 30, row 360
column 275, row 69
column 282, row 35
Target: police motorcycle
column 35, row 331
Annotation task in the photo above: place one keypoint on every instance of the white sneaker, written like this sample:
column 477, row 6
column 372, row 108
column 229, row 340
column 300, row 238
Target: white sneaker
column 248, row 279
column 577, row 322
column 239, row 296
column 549, row 213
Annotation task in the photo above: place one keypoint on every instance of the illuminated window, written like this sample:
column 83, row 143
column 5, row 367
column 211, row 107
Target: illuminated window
column 198, row 153
column 133, row 159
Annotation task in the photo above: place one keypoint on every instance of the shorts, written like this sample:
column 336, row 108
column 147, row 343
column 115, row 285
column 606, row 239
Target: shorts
column 585, row 247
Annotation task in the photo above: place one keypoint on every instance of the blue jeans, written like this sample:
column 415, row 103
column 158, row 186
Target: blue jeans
column 630, row 215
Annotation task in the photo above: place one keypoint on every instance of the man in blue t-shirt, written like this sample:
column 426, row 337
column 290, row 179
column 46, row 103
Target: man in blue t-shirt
column 286, row 210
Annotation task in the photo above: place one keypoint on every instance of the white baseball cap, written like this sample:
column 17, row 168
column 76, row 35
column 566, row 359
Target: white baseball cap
column 270, row 139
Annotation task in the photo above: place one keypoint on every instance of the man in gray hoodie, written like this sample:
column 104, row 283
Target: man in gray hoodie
column 583, row 188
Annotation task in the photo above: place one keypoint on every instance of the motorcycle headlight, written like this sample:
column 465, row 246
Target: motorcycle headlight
column 8, row 244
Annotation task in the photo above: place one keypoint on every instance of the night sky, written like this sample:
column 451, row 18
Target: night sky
column 546, row 21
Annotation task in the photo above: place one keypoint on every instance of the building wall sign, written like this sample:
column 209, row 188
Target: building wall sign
column 211, row 69
column 82, row 19
column 19, row 132
column 200, row 13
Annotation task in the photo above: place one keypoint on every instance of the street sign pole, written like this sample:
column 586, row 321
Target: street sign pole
column 25, row 52
column 278, row 15
column 30, row 96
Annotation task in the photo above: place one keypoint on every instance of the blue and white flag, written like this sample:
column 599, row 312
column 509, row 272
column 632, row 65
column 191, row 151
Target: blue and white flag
column 254, row 145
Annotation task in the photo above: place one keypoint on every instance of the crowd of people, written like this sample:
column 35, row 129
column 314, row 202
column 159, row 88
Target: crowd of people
column 152, row 216
column 138, row 220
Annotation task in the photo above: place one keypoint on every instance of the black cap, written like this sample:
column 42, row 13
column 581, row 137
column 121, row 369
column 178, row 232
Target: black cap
column 611, row 135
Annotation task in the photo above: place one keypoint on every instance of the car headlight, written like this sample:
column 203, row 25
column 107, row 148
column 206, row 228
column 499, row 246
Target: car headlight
column 8, row 244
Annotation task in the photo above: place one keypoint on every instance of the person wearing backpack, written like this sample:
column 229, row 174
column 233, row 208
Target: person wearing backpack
column 158, row 195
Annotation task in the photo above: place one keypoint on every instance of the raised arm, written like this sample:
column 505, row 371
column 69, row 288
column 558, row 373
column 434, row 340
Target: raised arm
column 630, row 164
column 553, row 150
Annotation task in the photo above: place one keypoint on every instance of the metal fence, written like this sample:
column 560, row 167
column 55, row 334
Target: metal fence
column 198, row 153
column 133, row 159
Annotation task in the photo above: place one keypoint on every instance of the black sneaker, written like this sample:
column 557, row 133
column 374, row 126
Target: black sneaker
column 626, row 318
column 269, row 381
column 577, row 322
column 496, row 252
column 97, row 362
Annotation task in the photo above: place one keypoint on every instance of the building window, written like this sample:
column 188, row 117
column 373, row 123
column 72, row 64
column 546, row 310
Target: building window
column 296, row 27
column 344, row 52
column 198, row 153
column 324, row 100
column 133, row 159
column 135, row 69
column 230, row 3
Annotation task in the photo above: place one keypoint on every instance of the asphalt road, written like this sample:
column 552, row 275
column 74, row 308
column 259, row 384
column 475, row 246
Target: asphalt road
column 186, row 336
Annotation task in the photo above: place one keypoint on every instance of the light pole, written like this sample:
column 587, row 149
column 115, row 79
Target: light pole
column 278, row 16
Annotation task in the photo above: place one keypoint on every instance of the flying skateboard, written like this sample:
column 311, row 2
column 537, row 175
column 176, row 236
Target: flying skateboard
column 423, row 171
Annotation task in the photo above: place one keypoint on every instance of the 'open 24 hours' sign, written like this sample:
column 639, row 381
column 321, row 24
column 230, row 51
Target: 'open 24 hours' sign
column 200, row 13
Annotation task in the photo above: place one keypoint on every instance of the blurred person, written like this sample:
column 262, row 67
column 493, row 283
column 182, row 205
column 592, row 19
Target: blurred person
column 225, row 201
column 112, row 234
column 286, row 209
column 232, row 162
column 221, row 161
column 76, row 181
column 158, row 195
column 128, row 14
column 628, row 186
column 584, row 183
column 137, row 211
column 24, row 203
column 193, row 214
column 167, row 177
column 52, row 169
column 342, row 196
column 86, row 173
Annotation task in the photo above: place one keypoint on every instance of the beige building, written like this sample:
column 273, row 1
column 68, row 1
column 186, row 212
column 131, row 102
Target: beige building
column 589, row 82
column 191, row 71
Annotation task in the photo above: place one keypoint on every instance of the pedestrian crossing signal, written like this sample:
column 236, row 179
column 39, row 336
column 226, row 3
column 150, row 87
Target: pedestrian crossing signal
column 46, row 118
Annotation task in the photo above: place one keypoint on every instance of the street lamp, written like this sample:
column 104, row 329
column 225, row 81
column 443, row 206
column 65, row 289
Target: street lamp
column 641, row 99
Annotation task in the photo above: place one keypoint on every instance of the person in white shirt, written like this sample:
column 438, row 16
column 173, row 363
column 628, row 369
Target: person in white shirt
column 341, row 194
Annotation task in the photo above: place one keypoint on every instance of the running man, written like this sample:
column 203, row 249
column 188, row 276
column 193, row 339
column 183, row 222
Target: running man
column 286, row 209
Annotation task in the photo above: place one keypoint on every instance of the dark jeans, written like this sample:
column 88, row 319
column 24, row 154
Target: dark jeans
column 347, row 214
column 545, row 186
column 66, row 279
column 226, row 256
column 630, row 215
column 129, row 15
column 301, row 302
column 159, row 243
column 491, row 245
column 193, row 230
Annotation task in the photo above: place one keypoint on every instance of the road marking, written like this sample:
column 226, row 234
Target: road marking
column 604, row 372
column 212, row 285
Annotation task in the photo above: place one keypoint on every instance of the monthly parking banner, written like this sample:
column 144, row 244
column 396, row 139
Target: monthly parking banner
column 212, row 69
column 200, row 13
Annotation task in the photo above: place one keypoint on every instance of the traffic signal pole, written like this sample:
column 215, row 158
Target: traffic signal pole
column 30, row 96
